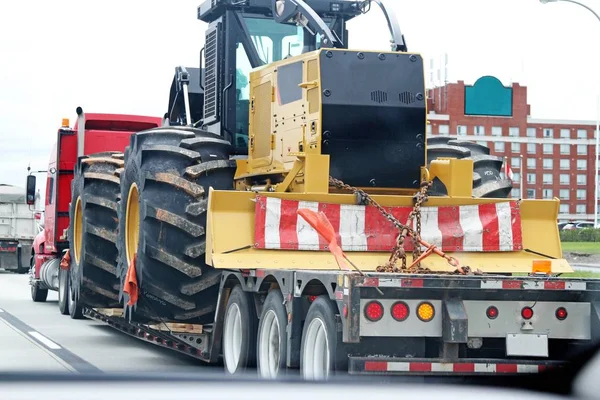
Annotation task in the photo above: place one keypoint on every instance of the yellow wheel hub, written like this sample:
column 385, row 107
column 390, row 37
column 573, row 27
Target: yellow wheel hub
column 78, row 230
column 132, row 223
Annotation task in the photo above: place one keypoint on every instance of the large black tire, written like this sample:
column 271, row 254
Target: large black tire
column 96, row 186
column 171, row 169
column 487, row 179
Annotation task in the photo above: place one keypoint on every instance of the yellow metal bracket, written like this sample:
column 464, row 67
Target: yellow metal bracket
column 455, row 174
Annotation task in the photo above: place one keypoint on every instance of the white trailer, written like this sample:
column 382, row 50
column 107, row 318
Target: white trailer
column 19, row 224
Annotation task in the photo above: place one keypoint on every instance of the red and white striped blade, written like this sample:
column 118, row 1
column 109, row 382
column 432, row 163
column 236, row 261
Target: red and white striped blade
column 472, row 228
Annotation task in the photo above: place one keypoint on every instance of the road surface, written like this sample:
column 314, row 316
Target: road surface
column 37, row 338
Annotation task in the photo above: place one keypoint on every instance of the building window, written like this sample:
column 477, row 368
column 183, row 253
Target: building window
column 444, row 129
column 483, row 143
column 563, row 194
column 530, row 132
column 531, row 178
column 564, row 179
column 546, row 193
column 565, row 163
column 531, row 148
column 531, row 163
column 461, row 130
column 581, row 165
column 547, row 179
column 428, row 128
column 479, row 130
column 513, row 131
column 515, row 147
column 515, row 162
column 564, row 209
column 531, row 193
column 582, row 134
column 499, row 147
column 565, row 134
column 581, row 180
column 581, row 194
column 496, row 131
column 548, row 164
column 581, row 149
column 547, row 148
column 516, row 177
column 515, row 193
column 580, row 209
column 548, row 132
column 565, row 149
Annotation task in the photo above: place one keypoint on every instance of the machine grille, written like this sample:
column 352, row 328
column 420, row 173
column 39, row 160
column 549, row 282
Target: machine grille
column 379, row 96
column 407, row 97
column 211, row 76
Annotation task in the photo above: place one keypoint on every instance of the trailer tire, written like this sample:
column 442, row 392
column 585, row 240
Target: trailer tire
column 321, row 342
column 63, row 291
column 487, row 179
column 239, row 332
column 271, row 343
column 75, row 308
column 162, row 220
column 92, row 232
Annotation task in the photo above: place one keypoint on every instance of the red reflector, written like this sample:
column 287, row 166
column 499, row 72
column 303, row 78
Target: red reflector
column 400, row 311
column 412, row 282
column 420, row 367
column 512, row 284
column 554, row 285
column 507, row 368
column 492, row 312
column 374, row 311
column 375, row 366
column 527, row 312
column 312, row 298
column 345, row 311
column 561, row 313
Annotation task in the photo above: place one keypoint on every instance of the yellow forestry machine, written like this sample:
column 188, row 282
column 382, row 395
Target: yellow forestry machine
column 291, row 213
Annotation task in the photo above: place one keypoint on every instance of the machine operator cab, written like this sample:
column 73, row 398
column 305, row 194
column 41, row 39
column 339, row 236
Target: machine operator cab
column 246, row 34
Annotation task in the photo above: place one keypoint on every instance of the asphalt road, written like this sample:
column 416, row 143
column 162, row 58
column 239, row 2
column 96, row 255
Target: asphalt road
column 37, row 338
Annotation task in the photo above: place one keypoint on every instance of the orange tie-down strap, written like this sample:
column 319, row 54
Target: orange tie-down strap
column 131, row 283
column 65, row 261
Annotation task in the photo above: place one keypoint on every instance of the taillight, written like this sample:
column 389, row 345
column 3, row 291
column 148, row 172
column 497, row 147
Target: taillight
column 561, row 313
column 425, row 311
column 374, row 311
column 491, row 312
column 400, row 311
column 527, row 312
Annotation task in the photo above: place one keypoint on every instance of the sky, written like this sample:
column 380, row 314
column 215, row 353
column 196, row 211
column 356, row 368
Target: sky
column 118, row 56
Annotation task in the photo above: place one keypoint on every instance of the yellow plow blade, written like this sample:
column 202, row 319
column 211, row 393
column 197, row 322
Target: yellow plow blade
column 231, row 237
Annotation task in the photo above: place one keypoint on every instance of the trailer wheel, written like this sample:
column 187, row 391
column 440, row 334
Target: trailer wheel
column 75, row 309
column 487, row 181
column 92, row 232
column 271, row 345
column 63, row 291
column 321, row 353
column 162, row 220
column 239, row 332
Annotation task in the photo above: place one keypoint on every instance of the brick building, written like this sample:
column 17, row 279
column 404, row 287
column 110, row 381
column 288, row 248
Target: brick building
column 556, row 157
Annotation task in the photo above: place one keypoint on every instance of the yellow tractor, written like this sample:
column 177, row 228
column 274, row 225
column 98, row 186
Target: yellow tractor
column 286, row 147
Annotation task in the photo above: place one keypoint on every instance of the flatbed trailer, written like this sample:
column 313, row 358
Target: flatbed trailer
column 478, row 324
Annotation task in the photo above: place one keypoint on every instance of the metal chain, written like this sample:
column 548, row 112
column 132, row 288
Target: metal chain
column 398, row 252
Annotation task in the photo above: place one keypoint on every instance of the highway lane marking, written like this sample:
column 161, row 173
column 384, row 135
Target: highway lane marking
column 69, row 360
column 47, row 342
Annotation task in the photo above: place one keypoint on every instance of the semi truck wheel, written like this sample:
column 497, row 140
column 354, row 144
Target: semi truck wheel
column 164, row 197
column 239, row 332
column 321, row 352
column 487, row 181
column 63, row 291
column 271, row 344
column 92, row 232
column 38, row 295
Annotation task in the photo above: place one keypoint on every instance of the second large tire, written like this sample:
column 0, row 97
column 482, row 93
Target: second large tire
column 487, row 179
column 164, row 198
column 92, row 231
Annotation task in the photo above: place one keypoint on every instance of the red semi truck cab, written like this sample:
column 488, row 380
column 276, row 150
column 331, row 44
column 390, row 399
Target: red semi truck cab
column 92, row 133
